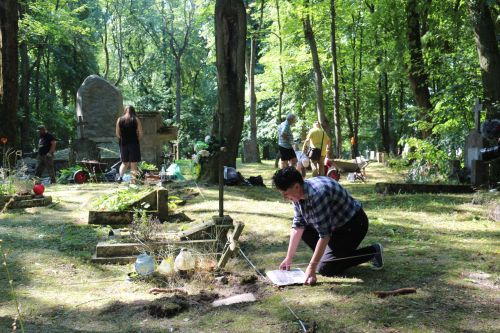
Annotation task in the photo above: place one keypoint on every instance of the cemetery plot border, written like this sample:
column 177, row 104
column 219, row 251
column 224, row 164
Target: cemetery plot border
column 395, row 188
column 155, row 200
column 24, row 201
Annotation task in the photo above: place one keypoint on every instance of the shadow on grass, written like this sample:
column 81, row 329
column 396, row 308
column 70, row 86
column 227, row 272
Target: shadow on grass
column 25, row 236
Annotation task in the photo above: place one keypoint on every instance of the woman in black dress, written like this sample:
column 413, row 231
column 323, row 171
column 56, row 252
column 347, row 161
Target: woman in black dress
column 129, row 132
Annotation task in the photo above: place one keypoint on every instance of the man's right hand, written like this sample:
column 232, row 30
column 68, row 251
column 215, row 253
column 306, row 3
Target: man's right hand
column 286, row 264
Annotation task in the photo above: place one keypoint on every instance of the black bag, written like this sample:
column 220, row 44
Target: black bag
column 314, row 154
column 256, row 181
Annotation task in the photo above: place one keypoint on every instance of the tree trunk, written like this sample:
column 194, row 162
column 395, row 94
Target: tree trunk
column 335, row 84
column 282, row 76
column 417, row 74
column 353, row 116
column 178, row 87
column 230, row 40
column 318, row 76
column 104, row 39
column 252, row 154
column 386, row 135
column 24, row 102
column 489, row 57
column 8, row 71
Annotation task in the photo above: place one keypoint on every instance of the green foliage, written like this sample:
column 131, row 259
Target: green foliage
column 145, row 166
column 398, row 164
column 15, row 182
column 129, row 45
column 172, row 202
column 120, row 200
column 65, row 175
column 430, row 163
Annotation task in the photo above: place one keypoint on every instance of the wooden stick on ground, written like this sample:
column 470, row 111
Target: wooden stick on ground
column 401, row 291
column 156, row 291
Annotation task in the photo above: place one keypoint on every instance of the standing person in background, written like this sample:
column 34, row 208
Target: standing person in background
column 319, row 144
column 129, row 132
column 285, row 142
column 46, row 150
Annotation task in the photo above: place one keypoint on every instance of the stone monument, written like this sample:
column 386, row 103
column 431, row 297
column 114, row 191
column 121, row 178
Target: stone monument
column 98, row 105
column 473, row 145
column 156, row 135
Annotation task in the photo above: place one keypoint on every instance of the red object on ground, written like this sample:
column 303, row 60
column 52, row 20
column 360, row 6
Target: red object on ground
column 38, row 189
column 80, row 177
column 331, row 171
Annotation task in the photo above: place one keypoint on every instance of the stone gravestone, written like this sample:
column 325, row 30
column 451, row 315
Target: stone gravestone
column 156, row 135
column 98, row 106
column 473, row 145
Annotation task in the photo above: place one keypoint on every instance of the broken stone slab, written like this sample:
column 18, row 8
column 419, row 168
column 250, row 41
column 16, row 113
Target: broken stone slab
column 236, row 299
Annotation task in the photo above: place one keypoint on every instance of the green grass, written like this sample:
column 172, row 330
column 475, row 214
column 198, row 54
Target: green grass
column 440, row 244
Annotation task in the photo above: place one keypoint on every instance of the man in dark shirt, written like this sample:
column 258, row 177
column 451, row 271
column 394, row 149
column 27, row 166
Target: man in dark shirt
column 46, row 150
column 329, row 220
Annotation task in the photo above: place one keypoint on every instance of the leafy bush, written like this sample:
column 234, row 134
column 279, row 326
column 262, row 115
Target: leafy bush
column 398, row 164
column 66, row 174
column 147, row 166
column 429, row 163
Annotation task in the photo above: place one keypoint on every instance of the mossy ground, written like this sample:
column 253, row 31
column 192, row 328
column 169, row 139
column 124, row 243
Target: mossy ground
column 440, row 244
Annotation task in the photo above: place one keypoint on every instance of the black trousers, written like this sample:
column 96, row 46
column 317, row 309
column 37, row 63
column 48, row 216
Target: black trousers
column 47, row 162
column 343, row 243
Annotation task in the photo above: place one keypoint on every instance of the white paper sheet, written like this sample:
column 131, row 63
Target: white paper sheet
column 285, row 278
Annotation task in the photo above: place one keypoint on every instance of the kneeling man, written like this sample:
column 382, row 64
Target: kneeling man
column 329, row 220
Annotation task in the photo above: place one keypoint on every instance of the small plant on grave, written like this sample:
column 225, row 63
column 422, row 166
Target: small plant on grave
column 145, row 227
column 173, row 202
column 15, row 181
column 145, row 166
column 120, row 200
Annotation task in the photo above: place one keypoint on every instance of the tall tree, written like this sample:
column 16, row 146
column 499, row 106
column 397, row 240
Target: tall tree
column 318, row 74
column 417, row 74
column 9, row 16
column 335, row 84
column 24, row 102
column 489, row 56
column 280, row 62
column 178, row 40
column 252, row 154
column 230, row 42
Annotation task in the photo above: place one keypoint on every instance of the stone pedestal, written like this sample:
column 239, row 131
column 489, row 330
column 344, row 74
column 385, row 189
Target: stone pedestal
column 155, row 136
column 380, row 157
column 249, row 152
column 473, row 145
column 479, row 173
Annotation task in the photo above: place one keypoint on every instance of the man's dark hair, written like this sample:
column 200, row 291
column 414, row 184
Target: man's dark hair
column 284, row 178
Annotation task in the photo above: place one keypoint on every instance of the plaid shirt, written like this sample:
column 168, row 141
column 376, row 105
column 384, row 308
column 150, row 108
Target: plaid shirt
column 326, row 206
